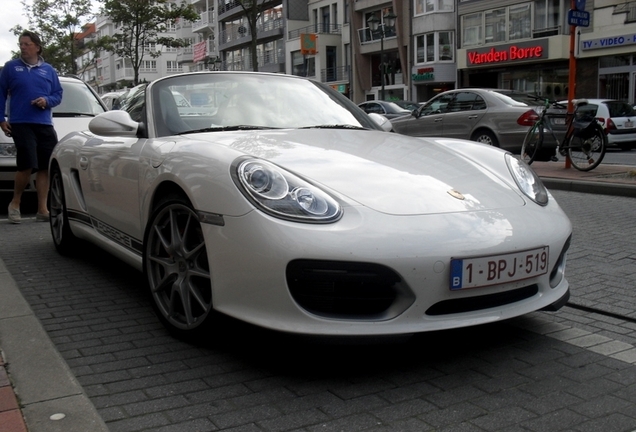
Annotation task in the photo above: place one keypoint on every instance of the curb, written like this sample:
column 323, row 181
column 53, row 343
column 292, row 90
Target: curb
column 600, row 188
column 49, row 395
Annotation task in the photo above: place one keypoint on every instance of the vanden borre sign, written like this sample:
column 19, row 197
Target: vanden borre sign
column 508, row 53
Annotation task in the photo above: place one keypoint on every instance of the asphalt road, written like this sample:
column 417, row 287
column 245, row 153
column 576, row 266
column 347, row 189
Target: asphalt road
column 572, row 370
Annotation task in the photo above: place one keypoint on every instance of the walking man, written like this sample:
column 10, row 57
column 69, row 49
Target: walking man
column 33, row 88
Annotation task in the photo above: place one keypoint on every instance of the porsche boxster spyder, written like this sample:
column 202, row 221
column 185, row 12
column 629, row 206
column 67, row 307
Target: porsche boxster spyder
column 283, row 204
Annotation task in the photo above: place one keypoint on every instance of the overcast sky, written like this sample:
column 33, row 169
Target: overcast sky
column 12, row 14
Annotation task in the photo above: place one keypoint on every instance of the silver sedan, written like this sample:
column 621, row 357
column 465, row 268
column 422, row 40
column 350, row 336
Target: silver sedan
column 499, row 118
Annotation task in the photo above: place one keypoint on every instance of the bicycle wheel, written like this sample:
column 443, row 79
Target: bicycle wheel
column 532, row 143
column 586, row 151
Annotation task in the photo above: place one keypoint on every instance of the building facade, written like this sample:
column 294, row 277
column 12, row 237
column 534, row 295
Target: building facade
column 409, row 49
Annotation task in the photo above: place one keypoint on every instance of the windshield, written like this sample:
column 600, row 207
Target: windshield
column 77, row 99
column 220, row 101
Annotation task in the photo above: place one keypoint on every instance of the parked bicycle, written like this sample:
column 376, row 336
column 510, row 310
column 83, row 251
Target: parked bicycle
column 584, row 142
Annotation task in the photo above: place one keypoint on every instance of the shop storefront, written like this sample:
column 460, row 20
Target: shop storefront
column 537, row 66
column 616, row 65
column 429, row 81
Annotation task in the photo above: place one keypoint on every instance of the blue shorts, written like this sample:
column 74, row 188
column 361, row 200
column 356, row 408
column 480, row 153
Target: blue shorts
column 34, row 144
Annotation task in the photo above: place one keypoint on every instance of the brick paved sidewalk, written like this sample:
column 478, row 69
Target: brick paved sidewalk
column 10, row 415
column 11, row 418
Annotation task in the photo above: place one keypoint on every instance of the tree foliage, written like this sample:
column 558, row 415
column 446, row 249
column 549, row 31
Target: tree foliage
column 57, row 22
column 141, row 26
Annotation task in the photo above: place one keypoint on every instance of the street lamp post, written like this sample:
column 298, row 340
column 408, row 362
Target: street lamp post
column 374, row 25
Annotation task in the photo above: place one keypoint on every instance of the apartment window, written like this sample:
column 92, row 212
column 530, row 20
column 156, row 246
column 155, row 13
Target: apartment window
column 546, row 14
column 148, row 66
column 428, row 6
column 520, row 21
column 150, row 47
column 471, row 29
column 433, row 47
column 303, row 65
column 495, row 29
column 173, row 66
column 497, row 25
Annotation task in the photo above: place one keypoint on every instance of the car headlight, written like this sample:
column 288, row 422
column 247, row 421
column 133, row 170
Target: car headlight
column 527, row 180
column 7, row 150
column 283, row 194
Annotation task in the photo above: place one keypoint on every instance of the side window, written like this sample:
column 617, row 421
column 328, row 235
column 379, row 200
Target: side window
column 480, row 103
column 374, row 108
column 463, row 102
column 467, row 101
column 438, row 105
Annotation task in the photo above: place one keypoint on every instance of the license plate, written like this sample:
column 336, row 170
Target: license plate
column 629, row 124
column 558, row 121
column 498, row 269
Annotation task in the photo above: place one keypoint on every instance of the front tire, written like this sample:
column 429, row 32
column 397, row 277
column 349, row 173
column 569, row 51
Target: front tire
column 176, row 268
column 586, row 152
column 532, row 143
column 63, row 238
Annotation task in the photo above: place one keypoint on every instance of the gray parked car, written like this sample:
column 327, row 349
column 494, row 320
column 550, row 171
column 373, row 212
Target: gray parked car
column 388, row 109
column 496, row 117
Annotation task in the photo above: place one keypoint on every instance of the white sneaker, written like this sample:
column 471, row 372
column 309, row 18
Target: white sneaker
column 14, row 215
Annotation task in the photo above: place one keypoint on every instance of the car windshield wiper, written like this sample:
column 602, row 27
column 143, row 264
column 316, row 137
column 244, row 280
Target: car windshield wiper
column 227, row 128
column 72, row 114
column 333, row 126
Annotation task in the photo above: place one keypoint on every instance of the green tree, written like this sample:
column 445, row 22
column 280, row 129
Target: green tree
column 141, row 25
column 57, row 22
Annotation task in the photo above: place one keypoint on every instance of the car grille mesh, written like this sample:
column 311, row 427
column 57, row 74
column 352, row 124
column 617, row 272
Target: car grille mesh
column 342, row 289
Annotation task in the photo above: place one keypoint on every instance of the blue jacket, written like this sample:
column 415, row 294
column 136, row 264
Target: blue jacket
column 23, row 83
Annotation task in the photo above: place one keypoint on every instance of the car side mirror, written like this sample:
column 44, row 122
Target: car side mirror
column 114, row 123
column 381, row 121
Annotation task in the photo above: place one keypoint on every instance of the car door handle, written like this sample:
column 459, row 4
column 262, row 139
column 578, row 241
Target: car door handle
column 472, row 117
column 439, row 119
column 83, row 162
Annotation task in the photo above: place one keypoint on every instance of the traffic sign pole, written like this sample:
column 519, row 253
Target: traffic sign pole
column 571, row 79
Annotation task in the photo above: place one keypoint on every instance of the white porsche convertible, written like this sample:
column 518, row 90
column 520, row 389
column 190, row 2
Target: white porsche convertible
column 283, row 204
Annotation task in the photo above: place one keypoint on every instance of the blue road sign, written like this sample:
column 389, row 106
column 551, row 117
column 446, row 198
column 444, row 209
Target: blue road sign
column 580, row 5
column 578, row 18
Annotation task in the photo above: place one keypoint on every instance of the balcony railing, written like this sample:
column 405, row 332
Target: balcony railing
column 545, row 32
column 206, row 21
column 340, row 73
column 367, row 35
column 321, row 28
column 236, row 33
column 124, row 74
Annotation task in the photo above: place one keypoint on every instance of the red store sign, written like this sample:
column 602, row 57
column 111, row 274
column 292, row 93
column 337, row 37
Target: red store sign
column 510, row 53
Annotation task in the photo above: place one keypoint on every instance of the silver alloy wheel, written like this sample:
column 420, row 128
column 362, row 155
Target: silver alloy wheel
column 63, row 238
column 56, row 202
column 177, row 267
column 485, row 137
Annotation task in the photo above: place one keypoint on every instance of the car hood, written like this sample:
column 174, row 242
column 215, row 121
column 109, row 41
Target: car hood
column 388, row 172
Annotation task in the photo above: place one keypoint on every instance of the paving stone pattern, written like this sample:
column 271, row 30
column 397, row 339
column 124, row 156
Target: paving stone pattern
column 569, row 371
